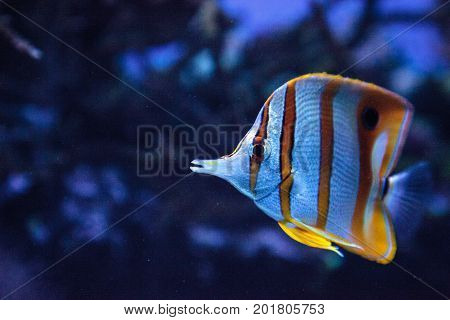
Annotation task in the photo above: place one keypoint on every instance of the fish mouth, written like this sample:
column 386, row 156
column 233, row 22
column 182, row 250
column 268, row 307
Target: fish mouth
column 195, row 164
column 217, row 167
column 203, row 166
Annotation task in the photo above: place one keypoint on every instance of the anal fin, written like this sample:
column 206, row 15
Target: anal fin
column 308, row 238
column 327, row 235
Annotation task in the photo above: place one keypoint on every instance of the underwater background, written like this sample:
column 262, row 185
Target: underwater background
column 69, row 145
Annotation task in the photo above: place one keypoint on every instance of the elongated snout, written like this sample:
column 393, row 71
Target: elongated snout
column 215, row 167
column 234, row 169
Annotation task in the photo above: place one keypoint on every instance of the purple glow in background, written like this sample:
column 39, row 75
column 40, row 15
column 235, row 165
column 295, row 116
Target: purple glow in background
column 68, row 139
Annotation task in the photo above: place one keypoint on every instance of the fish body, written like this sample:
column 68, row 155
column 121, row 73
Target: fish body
column 318, row 160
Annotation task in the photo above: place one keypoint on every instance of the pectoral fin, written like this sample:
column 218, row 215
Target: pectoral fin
column 308, row 238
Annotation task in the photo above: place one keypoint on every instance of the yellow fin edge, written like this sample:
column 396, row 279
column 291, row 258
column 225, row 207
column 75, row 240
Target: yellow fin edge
column 338, row 240
column 308, row 238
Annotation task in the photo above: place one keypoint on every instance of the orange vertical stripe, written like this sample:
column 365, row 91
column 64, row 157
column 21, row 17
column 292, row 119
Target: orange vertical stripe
column 326, row 151
column 259, row 138
column 392, row 111
column 366, row 141
column 286, row 144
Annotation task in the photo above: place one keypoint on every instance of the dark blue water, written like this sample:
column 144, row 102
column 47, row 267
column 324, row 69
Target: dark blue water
column 71, row 153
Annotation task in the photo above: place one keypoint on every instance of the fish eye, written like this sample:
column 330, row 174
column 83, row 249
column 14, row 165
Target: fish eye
column 258, row 150
column 370, row 118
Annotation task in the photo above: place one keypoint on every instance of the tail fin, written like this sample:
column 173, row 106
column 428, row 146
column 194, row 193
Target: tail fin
column 406, row 198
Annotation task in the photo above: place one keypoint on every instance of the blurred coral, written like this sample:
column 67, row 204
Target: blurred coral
column 68, row 141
